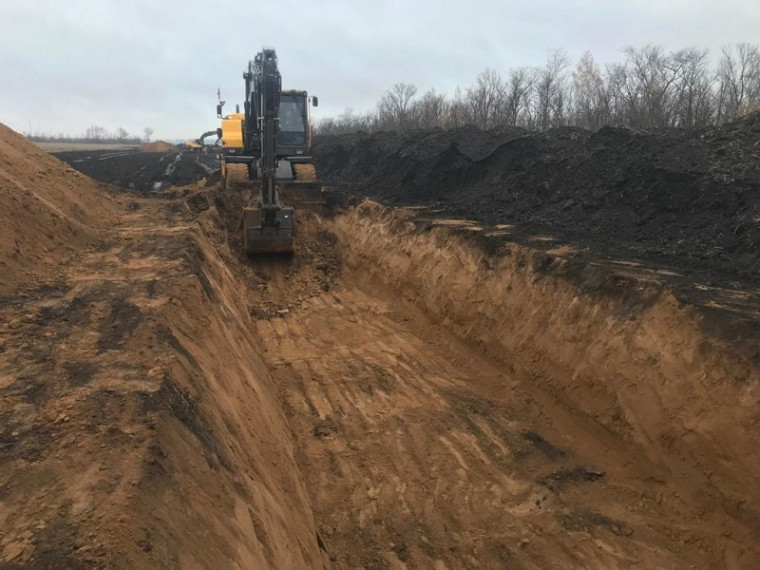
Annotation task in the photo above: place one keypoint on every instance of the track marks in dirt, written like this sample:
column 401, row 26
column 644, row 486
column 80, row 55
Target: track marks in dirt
column 402, row 451
column 427, row 442
column 74, row 427
column 85, row 378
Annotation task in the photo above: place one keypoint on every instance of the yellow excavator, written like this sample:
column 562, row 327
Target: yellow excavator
column 266, row 149
column 193, row 145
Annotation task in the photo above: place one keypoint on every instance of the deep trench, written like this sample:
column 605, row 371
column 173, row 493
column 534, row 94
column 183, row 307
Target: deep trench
column 404, row 392
column 456, row 399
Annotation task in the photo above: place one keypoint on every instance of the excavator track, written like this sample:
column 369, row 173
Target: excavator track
column 305, row 172
column 235, row 176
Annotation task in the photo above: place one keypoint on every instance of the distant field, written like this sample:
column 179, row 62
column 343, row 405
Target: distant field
column 73, row 146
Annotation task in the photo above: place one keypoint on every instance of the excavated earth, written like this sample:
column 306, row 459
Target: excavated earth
column 146, row 171
column 688, row 201
column 410, row 390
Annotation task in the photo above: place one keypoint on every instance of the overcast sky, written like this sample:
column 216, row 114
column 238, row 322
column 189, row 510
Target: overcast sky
column 69, row 64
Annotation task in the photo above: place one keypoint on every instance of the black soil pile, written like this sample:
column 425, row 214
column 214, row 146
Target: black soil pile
column 145, row 172
column 683, row 199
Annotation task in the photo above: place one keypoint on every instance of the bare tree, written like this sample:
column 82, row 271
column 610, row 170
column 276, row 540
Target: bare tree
column 347, row 122
column 393, row 108
column 519, row 90
column 148, row 133
column 652, row 76
column 486, row 99
column 457, row 111
column 95, row 133
column 350, row 122
column 649, row 88
column 429, row 111
column 591, row 101
column 692, row 94
column 122, row 134
column 738, row 79
column 552, row 93
column 326, row 126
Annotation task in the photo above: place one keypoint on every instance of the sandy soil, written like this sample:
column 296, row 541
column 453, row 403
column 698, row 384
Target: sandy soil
column 139, row 427
column 49, row 210
column 157, row 146
column 494, row 416
column 401, row 393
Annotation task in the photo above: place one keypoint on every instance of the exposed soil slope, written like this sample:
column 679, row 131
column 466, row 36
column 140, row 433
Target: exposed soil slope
column 139, row 427
column 685, row 199
column 460, row 407
column 47, row 210
column 463, row 401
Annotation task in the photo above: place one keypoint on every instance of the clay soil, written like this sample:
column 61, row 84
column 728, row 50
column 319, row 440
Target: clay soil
column 409, row 390
column 158, row 146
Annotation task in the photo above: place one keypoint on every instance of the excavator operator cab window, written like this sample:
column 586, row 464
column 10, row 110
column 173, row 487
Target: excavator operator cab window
column 292, row 122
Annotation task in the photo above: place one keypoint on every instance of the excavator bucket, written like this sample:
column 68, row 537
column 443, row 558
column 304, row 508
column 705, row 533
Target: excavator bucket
column 299, row 191
column 260, row 237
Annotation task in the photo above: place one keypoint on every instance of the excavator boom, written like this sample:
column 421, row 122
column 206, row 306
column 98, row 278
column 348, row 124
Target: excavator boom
column 267, row 149
column 268, row 227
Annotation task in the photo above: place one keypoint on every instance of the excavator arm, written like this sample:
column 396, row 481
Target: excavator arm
column 269, row 227
column 267, row 83
column 266, row 150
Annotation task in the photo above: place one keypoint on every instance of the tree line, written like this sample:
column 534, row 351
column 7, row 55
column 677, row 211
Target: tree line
column 649, row 88
column 95, row 134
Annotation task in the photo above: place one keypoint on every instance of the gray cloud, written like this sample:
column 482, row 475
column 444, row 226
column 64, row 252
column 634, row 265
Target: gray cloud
column 68, row 65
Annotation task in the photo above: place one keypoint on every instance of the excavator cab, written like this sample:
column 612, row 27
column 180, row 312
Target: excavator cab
column 293, row 125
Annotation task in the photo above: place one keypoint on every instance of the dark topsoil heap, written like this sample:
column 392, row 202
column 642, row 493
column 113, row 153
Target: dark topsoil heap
column 141, row 171
column 683, row 199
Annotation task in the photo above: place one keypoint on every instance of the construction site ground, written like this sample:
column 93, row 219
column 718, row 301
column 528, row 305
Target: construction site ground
column 411, row 389
column 144, row 172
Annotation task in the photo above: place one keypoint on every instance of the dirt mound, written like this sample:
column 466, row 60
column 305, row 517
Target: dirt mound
column 686, row 199
column 156, row 439
column 48, row 211
column 139, row 425
column 158, row 146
